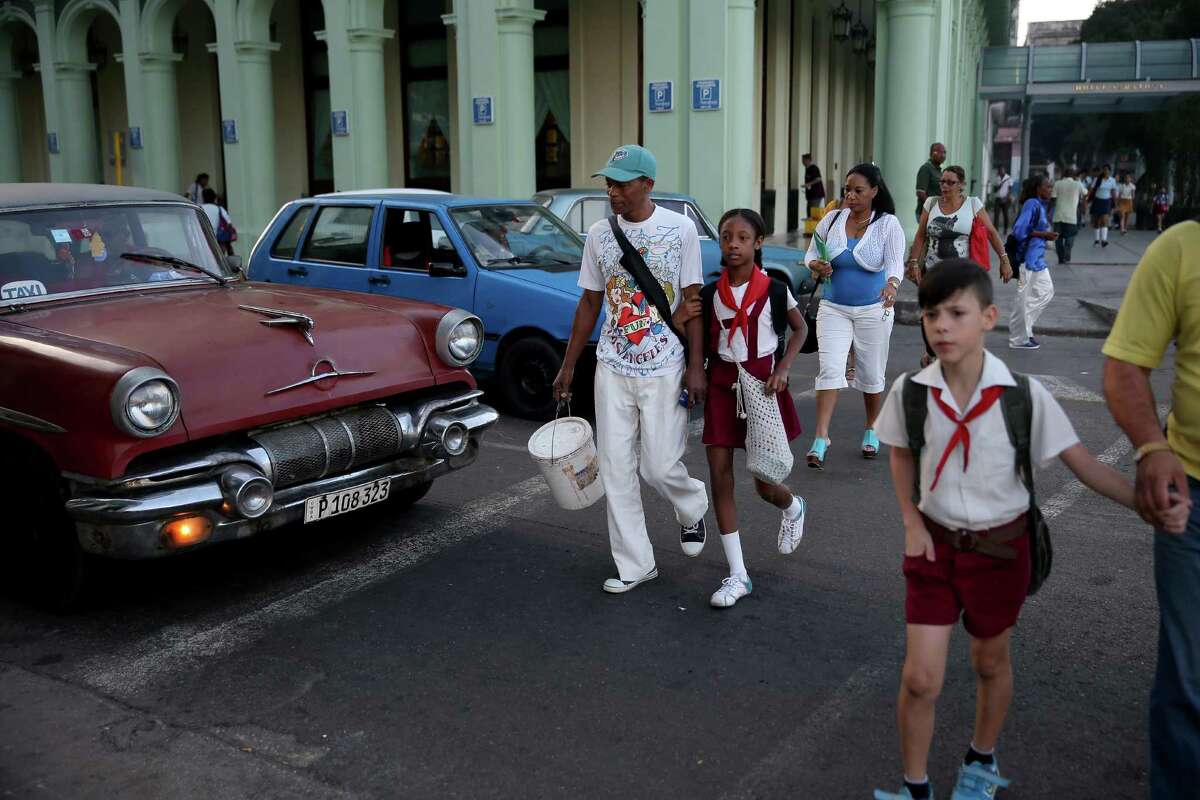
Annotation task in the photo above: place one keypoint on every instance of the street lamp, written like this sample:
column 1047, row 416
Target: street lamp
column 858, row 37
column 841, row 22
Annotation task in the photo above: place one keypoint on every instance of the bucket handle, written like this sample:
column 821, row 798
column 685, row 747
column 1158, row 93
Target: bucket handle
column 554, row 427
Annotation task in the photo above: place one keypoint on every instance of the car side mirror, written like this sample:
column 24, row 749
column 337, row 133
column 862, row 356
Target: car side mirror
column 235, row 264
column 446, row 270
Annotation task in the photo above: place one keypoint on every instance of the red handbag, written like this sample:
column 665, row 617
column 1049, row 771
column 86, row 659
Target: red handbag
column 980, row 248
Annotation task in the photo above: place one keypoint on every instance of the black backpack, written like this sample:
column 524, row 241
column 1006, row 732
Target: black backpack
column 776, row 295
column 1017, row 406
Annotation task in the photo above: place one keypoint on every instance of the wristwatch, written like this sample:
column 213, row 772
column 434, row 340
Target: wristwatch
column 1148, row 448
column 895, row 285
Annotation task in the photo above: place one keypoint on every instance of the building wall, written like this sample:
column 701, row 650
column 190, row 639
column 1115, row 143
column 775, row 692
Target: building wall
column 394, row 92
column 199, row 96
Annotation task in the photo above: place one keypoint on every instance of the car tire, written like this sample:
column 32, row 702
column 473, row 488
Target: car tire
column 409, row 496
column 48, row 567
column 526, row 377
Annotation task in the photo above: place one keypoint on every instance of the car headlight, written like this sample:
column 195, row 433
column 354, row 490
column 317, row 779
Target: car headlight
column 459, row 338
column 145, row 402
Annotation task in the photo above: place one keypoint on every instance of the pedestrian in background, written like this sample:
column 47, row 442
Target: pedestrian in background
column 865, row 248
column 1160, row 206
column 1035, row 290
column 966, row 535
column 222, row 225
column 1002, row 197
column 1162, row 307
column 1101, row 197
column 1125, row 191
column 1068, row 195
column 929, row 174
column 195, row 190
column 814, row 184
column 744, row 316
column 641, row 426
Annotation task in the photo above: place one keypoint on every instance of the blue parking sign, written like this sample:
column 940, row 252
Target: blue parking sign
column 706, row 95
column 660, row 96
column 482, row 110
column 135, row 137
column 229, row 131
column 339, row 123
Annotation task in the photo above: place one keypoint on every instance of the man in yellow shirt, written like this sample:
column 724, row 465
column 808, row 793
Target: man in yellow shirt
column 1162, row 304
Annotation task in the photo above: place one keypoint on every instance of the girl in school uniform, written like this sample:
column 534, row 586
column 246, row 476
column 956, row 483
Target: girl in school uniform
column 740, row 327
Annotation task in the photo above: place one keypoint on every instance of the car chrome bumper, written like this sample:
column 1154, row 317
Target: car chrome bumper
column 126, row 519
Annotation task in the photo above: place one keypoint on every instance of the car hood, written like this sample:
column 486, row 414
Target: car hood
column 225, row 360
column 564, row 278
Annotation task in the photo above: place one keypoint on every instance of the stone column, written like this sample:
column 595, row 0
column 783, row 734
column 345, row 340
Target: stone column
column 369, row 133
column 517, row 126
column 819, row 121
column 802, row 78
column 665, row 58
column 256, row 137
column 160, row 133
column 10, row 129
column 77, row 131
column 908, row 122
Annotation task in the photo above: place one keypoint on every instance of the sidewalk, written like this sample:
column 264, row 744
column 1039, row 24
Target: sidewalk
column 1087, row 292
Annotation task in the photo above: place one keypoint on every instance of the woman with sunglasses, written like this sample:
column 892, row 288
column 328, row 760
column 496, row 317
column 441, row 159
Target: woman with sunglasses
column 944, row 231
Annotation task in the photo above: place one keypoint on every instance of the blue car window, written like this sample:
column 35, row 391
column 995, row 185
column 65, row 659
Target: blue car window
column 285, row 245
column 339, row 236
column 518, row 236
column 594, row 210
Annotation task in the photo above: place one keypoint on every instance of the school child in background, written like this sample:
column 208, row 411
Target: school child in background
column 967, row 539
column 745, row 316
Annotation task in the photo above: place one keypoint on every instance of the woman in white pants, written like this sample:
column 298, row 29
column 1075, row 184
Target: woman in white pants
column 865, row 248
column 1035, row 290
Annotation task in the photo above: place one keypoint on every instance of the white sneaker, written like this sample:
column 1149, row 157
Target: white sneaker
column 791, row 531
column 732, row 589
column 618, row 586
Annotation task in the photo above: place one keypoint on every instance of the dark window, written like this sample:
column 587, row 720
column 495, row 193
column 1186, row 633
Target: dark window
column 552, row 95
column 425, row 82
column 339, row 235
column 285, row 245
column 412, row 239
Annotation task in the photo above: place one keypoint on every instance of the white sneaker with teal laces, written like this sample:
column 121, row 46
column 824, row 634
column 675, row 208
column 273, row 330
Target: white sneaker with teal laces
column 978, row 782
column 791, row 531
column 732, row 589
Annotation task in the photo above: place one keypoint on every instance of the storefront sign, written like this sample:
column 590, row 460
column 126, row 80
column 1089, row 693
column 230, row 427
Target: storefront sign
column 135, row 138
column 52, row 142
column 661, row 96
column 229, row 132
column 339, row 123
column 706, row 95
column 482, row 110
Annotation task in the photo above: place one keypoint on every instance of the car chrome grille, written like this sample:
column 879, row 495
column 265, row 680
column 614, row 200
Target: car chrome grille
column 330, row 445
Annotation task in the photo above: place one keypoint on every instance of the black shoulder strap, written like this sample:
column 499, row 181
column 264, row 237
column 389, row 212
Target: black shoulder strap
column 916, row 409
column 707, row 293
column 635, row 265
column 778, row 294
column 1017, row 405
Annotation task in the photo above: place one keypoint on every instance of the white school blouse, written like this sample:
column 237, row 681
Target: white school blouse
column 989, row 493
column 768, row 340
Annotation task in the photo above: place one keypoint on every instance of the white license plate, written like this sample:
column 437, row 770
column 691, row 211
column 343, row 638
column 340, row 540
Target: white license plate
column 324, row 506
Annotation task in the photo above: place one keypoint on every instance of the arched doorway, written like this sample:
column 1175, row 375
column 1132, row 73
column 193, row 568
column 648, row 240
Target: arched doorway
column 23, row 154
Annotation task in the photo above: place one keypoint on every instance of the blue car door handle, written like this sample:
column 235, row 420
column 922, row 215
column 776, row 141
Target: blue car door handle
column 380, row 280
column 297, row 271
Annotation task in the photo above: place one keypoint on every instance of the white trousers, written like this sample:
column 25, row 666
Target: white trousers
column 871, row 332
column 1035, row 290
column 627, row 408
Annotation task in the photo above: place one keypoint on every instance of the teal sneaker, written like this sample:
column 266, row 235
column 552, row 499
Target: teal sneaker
column 978, row 782
column 903, row 794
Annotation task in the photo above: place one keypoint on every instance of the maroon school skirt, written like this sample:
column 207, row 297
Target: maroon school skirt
column 722, row 426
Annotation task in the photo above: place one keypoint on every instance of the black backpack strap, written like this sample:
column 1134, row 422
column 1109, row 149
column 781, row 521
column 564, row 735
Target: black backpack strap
column 778, row 294
column 1017, row 405
column 635, row 265
column 916, row 409
column 707, row 293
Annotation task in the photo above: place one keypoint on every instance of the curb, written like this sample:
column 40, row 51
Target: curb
column 1106, row 314
column 907, row 313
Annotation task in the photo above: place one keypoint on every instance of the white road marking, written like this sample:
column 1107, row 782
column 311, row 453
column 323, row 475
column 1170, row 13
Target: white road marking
column 1064, row 389
column 180, row 647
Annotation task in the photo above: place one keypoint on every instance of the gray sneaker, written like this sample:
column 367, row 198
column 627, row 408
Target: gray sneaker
column 618, row 586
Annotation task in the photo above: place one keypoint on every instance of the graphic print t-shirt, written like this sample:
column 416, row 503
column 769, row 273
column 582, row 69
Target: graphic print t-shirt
column 949, row 235
column 634, row 341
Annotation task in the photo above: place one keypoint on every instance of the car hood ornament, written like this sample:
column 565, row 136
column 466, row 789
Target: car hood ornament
column 304, row 323
column 317, row 375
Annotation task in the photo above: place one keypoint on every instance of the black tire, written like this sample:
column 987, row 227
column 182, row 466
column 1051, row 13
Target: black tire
column 49, row 567
column 409, row 496
column 526, row 377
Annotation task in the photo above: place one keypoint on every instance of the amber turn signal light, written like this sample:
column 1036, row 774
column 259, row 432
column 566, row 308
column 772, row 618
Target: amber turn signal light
column 186, row 531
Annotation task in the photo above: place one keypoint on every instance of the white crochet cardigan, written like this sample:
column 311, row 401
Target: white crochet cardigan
column 881, row 247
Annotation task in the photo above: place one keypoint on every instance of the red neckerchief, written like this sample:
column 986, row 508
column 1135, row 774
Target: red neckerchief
column 757, row 287
column 989, row 397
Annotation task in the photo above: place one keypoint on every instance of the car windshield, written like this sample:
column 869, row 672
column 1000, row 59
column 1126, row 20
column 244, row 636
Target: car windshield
column 512, row 237
column 60, row 251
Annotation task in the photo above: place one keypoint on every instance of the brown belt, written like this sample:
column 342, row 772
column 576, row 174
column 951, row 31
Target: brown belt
column 989, row 542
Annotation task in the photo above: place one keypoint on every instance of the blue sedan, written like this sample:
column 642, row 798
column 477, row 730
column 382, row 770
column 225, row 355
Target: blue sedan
column 579, row 208
column 511, row 262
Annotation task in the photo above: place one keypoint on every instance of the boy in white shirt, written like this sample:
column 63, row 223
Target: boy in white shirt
column 967, row 540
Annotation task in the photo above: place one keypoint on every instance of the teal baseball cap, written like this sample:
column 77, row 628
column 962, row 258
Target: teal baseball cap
column 627, row 162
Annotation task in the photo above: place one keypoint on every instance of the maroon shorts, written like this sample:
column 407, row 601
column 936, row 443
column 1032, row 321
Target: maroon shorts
column 987, row 591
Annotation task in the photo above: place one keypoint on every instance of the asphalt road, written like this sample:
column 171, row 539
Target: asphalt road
column 465, row 649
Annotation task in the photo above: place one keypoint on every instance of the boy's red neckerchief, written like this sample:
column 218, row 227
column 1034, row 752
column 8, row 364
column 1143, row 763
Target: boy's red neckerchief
column 757, row 287
column 989, row 397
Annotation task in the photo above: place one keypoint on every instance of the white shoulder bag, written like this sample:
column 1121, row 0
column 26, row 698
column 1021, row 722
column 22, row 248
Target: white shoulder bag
column 768, row 454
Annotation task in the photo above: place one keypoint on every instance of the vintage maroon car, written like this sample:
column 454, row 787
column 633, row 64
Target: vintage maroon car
column 152, row 400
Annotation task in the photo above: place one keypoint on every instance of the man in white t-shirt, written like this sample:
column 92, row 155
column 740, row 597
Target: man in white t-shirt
column 641, row 365
column 1002, row 198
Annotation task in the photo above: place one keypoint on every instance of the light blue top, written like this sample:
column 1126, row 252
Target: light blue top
column 851, row 285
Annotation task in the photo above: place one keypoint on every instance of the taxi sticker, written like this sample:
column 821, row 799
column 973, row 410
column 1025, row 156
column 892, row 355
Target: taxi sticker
column 61, row 235
column 15, row 290
column 99, row 251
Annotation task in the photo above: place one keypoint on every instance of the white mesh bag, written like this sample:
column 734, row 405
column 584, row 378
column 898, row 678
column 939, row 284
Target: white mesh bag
column 768, row 454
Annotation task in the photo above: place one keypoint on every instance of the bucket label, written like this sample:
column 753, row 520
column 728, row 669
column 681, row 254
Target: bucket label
column 585, row 477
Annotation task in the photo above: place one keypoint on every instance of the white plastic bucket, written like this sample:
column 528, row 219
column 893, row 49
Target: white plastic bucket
column 565, row 452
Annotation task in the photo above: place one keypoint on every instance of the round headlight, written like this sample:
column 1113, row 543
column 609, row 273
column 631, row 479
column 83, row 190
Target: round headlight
column 145, row 402
column 459, row 337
